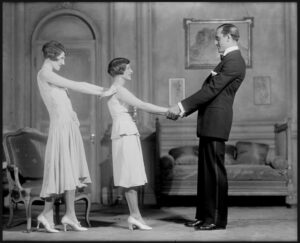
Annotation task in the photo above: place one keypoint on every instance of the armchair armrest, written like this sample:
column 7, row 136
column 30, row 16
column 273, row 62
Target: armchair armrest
column 278, row 162
column 13, row 177
column 167, row 162
column 4, row 165
column 17, row 180
column 166, row 166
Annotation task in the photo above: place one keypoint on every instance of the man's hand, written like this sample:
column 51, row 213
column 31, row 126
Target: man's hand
column 173, row 112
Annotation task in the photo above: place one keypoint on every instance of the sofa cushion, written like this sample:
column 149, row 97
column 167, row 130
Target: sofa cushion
column 251, row 153
column 166, row 167
column 183, row 150
column 186, row 173
column 189, row 159
column 243, row 172
column 278, row 163
column 230, row 154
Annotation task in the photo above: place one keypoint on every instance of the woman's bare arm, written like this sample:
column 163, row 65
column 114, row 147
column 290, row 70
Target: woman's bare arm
column 126, row 96
column 83, row 87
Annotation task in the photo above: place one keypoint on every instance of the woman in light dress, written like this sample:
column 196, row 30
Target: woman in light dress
column 128, row 164
column 65, row 167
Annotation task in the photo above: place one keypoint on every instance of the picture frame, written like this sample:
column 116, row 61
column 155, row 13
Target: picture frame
column 200, row 49
column 176, row 90
column 262, row 90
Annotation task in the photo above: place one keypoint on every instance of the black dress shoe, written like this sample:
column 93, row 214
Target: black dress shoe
column 209, row 227
column 195, row 223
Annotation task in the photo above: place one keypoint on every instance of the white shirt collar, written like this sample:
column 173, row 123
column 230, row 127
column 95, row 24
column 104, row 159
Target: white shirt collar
column 230, row 49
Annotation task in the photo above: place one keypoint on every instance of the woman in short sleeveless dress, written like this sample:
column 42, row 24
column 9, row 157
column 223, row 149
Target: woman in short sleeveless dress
column 128, row 164
column 65, row 167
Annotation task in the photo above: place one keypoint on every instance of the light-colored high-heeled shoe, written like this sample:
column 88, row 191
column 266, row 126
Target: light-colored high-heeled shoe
column 75, row 226
column 134, row 222
column 42, row 220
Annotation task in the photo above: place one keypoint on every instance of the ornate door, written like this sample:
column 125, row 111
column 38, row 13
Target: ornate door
column 80, row 65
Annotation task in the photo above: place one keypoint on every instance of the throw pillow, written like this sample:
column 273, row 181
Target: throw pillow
column 251, row 153
column 189, row 159
column 184, row 150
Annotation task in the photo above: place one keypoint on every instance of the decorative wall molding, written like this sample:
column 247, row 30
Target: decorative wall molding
column 61, row 12
column 22, row 89
column 288, row 53
column 64, row 5
column 144, row 59
column 111, row 28
column 9, row 73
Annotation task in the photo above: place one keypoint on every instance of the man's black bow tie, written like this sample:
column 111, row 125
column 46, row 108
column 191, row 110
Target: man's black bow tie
column 222, row 57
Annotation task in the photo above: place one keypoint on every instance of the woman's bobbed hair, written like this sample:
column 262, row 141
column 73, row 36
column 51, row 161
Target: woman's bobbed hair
column 52, row 50
column 117, row 66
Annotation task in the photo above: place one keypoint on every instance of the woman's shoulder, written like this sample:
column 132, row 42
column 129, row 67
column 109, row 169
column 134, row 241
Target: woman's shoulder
column 121, row 89
column 42, row 73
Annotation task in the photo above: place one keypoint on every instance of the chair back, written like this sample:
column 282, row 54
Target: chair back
column 25, row 149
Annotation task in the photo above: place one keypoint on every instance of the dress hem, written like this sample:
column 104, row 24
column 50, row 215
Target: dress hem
column 58, row 194
column 128, row 186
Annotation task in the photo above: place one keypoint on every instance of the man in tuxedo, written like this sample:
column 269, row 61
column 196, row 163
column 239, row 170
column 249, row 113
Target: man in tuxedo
column 214, row 103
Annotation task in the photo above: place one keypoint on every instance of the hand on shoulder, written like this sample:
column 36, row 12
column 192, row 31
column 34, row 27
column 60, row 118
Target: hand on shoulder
column 108, row 91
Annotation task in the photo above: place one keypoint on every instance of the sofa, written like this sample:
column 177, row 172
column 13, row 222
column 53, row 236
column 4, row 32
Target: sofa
column 253, row 168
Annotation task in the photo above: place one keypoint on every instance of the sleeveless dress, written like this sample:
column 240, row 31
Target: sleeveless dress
column 127, row 157
column 65, row 166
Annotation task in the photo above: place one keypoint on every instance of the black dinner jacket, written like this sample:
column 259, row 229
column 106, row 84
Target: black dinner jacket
column 215, row 98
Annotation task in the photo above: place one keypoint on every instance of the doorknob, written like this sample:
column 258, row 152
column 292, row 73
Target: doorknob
column 92, row 138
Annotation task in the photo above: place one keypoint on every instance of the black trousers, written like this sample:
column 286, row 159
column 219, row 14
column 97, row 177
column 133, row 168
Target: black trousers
column 212, row 188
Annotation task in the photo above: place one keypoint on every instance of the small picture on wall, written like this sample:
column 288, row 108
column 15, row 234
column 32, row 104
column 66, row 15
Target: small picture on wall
column 176, row 90
column 262, row 90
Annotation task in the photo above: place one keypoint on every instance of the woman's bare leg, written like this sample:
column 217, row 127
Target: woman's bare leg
column 70, row 217
column 70, row 205
column 48, row 210
column 132, row 201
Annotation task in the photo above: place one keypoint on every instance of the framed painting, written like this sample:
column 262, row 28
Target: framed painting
column 176, row 90
column 200, row 49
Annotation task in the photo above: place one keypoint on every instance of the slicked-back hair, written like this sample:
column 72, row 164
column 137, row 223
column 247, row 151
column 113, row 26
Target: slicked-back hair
column 117, row 66
column 52, row 50
column 230, row 29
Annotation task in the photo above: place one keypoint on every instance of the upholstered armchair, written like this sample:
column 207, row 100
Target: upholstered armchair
column 24, row 151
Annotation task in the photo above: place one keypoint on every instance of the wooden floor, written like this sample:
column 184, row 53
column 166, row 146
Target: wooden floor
column 245, row 223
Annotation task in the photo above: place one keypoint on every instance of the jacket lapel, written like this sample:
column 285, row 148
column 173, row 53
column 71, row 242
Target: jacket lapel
column 218, row 67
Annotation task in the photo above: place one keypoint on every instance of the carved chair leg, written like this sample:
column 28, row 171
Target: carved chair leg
column 11, row 211
column 56, row 212
column 28, row 203
column 141, row 195
column 87, row 211
column 290, row 201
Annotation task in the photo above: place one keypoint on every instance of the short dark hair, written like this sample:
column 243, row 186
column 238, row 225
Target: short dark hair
column 117, row 66
column 52, row 50
column 230, row 29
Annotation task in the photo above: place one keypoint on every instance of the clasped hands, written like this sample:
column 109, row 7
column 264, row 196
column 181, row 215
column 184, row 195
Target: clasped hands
column 173, row 113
